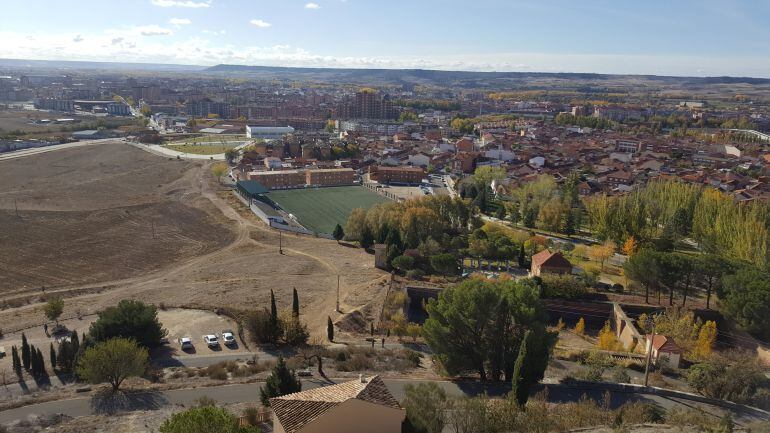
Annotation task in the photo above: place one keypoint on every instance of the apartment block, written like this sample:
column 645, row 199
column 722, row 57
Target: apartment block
column 330, row 177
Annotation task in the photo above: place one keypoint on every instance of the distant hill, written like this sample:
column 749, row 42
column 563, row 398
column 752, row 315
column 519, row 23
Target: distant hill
column 444, row 77
column 374, row 76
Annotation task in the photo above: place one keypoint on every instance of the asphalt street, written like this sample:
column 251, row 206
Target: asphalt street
column 240, row 393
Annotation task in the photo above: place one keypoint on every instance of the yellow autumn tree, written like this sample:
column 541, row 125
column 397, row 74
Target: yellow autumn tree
column 580, row 327
column 707, row 338
column 607, row 339
column 629, row 247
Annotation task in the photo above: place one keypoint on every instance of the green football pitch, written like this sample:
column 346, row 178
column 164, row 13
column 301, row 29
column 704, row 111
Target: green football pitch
column 320, row 209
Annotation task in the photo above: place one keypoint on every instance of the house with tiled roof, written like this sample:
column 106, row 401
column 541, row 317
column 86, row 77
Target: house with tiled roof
column 548, row 262
column 664, row 350
column 361, row 405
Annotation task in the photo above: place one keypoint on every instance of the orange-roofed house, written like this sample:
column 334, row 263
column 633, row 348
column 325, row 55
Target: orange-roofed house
column 464, row 145
column 548, row 262
column 357, row 406
column 665, row 350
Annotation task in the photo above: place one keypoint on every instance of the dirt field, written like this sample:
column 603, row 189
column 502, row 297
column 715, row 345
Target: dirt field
column 88, row 232
column 102, row 214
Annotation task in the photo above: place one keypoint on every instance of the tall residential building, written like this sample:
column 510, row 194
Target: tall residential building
column 146, row 93
column 205, row 108
column 368, row 104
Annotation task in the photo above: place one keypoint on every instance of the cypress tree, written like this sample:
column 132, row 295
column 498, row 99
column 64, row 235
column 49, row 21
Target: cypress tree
column 520, row 381
column 53, row 357
column 16, row 361
column 41, row 364
column 33, row 368
column 329, row 329
column 522, row 256
column 295, row 303
column 25, row 358
column 66, row 356
column 273, row 317
column 75, row 342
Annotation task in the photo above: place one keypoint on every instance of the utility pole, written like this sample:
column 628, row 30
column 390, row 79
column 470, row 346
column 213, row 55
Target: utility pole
column 153, row 229
column 16, row 207
column 280, row 242
column 649, row 352
column 338, row 293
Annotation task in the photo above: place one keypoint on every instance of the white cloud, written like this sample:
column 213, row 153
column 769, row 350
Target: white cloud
column 129, row 44
column 78, row 38
column 179, row 21
column 182, row 3
column 260, row 23
column 312, row 6
column 214, row 32
column 152, row 30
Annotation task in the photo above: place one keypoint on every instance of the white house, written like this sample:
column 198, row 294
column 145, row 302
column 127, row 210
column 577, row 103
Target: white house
column 419, row 160
column 664, row 350
column 361, row 405
column 500, row 154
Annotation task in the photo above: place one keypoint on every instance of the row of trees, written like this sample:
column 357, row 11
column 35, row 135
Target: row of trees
column 543, row 204
column 431, row 227
column 665, row 212
column 567, row 119
column 743, row 290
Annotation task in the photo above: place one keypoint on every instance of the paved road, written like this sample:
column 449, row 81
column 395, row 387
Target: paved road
column 39, row 150
column 228, row 394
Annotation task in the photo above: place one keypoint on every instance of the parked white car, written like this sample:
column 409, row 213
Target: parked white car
column 211, row 340
column 228, row 338
column 186, row 343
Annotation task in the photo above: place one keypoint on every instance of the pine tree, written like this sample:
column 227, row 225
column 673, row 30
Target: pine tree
column 281, row 381
column 329, row 328
column 520, row 382
column 25, row 358
column 295, row 303
column 53, row 357
column 16, row 361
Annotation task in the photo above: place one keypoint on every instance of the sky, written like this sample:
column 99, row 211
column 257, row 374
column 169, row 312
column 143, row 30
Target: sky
column 662, row 37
